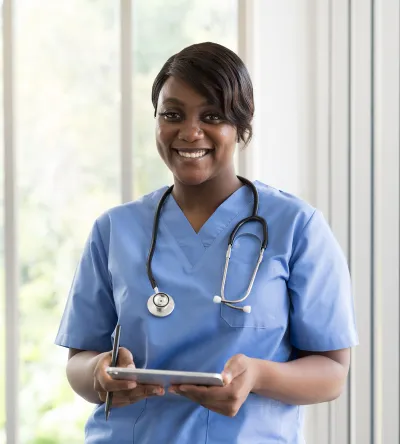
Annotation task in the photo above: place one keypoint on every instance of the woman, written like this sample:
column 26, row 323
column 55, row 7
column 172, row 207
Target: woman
column 291, row 349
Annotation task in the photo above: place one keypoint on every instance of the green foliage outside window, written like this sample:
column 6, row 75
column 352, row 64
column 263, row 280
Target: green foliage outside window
column 67, row 140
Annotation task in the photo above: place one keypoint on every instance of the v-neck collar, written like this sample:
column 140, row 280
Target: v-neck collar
column 194, row 245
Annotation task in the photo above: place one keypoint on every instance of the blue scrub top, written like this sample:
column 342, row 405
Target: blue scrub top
column 301, row 299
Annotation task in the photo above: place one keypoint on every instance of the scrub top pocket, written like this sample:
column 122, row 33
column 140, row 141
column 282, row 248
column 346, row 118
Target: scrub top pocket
column 269, row 296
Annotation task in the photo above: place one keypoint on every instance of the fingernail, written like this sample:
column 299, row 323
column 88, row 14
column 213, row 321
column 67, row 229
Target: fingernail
column 157, row 392
column 131, row 366
column 173, row 391
column 182, row 389
column 227, row 377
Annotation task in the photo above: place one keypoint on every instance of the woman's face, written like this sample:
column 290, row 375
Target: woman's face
column 192, row 137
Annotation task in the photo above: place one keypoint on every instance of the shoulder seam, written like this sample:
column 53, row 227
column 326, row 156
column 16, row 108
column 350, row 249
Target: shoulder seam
column 104, row 249
column 300, row 236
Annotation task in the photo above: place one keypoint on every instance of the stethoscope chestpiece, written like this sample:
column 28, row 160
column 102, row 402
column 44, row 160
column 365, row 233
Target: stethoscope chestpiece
column 160, row 304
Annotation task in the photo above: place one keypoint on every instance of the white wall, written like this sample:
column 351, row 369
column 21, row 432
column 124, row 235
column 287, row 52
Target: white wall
column 284, row 80
column 326, row 77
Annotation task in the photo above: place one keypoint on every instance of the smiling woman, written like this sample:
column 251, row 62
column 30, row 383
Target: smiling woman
column 210, row 143
column 292, row 349
column 218, row 75
column 203, row 101
column 193, row 137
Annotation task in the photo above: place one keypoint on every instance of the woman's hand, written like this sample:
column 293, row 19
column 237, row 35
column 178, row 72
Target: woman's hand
column 239, row 377
column 124, row 392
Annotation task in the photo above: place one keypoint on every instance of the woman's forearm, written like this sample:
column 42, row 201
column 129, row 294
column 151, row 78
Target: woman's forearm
column 80, row 374
column 308, row 380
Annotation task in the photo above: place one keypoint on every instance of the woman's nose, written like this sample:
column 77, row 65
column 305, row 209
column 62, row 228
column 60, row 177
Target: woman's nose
column 190, row 133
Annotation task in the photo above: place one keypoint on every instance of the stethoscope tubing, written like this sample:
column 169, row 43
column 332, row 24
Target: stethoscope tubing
column 253, row 218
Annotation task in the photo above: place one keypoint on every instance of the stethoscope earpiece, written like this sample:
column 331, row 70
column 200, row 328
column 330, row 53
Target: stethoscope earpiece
column 219, row 300
column 161, row 304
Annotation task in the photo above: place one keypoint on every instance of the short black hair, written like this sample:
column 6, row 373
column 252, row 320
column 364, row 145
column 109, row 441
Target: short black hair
column 218, row 74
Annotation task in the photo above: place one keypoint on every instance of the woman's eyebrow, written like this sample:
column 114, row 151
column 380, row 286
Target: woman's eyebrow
column 179, row 102
column 173, row 100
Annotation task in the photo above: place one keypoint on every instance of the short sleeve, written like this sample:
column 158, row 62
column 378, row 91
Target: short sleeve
column 322, row 313
column 89, row 317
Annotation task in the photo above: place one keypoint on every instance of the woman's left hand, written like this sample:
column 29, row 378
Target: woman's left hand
column 239, row 377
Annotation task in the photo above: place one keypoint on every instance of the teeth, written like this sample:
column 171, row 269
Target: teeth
column 193, row 154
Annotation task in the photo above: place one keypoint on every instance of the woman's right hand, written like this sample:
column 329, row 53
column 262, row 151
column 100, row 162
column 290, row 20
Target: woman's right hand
column 124, row 392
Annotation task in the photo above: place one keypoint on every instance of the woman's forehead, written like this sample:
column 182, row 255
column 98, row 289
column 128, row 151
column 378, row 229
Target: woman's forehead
column 178, row 92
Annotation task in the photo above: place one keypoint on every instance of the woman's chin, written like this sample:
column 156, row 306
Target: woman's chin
column 191, row 178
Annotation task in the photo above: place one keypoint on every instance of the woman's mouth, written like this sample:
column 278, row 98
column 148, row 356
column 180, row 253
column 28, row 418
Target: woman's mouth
column 193, row 154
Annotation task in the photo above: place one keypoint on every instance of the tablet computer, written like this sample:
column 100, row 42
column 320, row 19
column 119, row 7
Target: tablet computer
column 165, row 377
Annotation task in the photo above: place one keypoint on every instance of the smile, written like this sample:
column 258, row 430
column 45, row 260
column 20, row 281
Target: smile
column 192, row 154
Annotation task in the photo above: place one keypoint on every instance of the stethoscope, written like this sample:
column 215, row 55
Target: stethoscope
column 161, row 304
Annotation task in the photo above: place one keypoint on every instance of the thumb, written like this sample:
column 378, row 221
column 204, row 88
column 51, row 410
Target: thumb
column 234, row 368
column 125, row 358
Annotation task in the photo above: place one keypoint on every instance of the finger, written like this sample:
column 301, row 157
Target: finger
column 125, row 397
column 139, row 392
column 125, row 358
column 235, row 366
column 173, row 389
column 122, row 402
column 200, row 388
column 104, row 382
column 199, row 398
column 100, row 372
column 144, row 390
column 109, row 385
column 200, row 395
column 218, row 404
column 206, row 392
column 102, row 395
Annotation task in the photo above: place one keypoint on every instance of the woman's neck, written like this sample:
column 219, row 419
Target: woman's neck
column 206, row 197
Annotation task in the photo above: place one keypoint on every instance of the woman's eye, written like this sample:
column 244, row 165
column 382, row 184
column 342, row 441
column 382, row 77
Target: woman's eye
column 171, row 116
column 212, row 118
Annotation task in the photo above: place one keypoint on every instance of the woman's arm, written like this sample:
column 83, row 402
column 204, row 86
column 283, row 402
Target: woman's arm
column 80, row 373
column 313, row 378
column 86, row 372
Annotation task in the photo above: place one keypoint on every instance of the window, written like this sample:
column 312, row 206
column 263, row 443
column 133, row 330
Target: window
column 2, row 295
column 66, row 129
column 160, row 30
column 67, row 141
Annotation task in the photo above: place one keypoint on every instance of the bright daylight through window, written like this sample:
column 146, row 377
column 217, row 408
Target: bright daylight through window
column 67, row 141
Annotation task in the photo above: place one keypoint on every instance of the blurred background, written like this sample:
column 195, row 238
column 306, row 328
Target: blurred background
column 76, row 126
